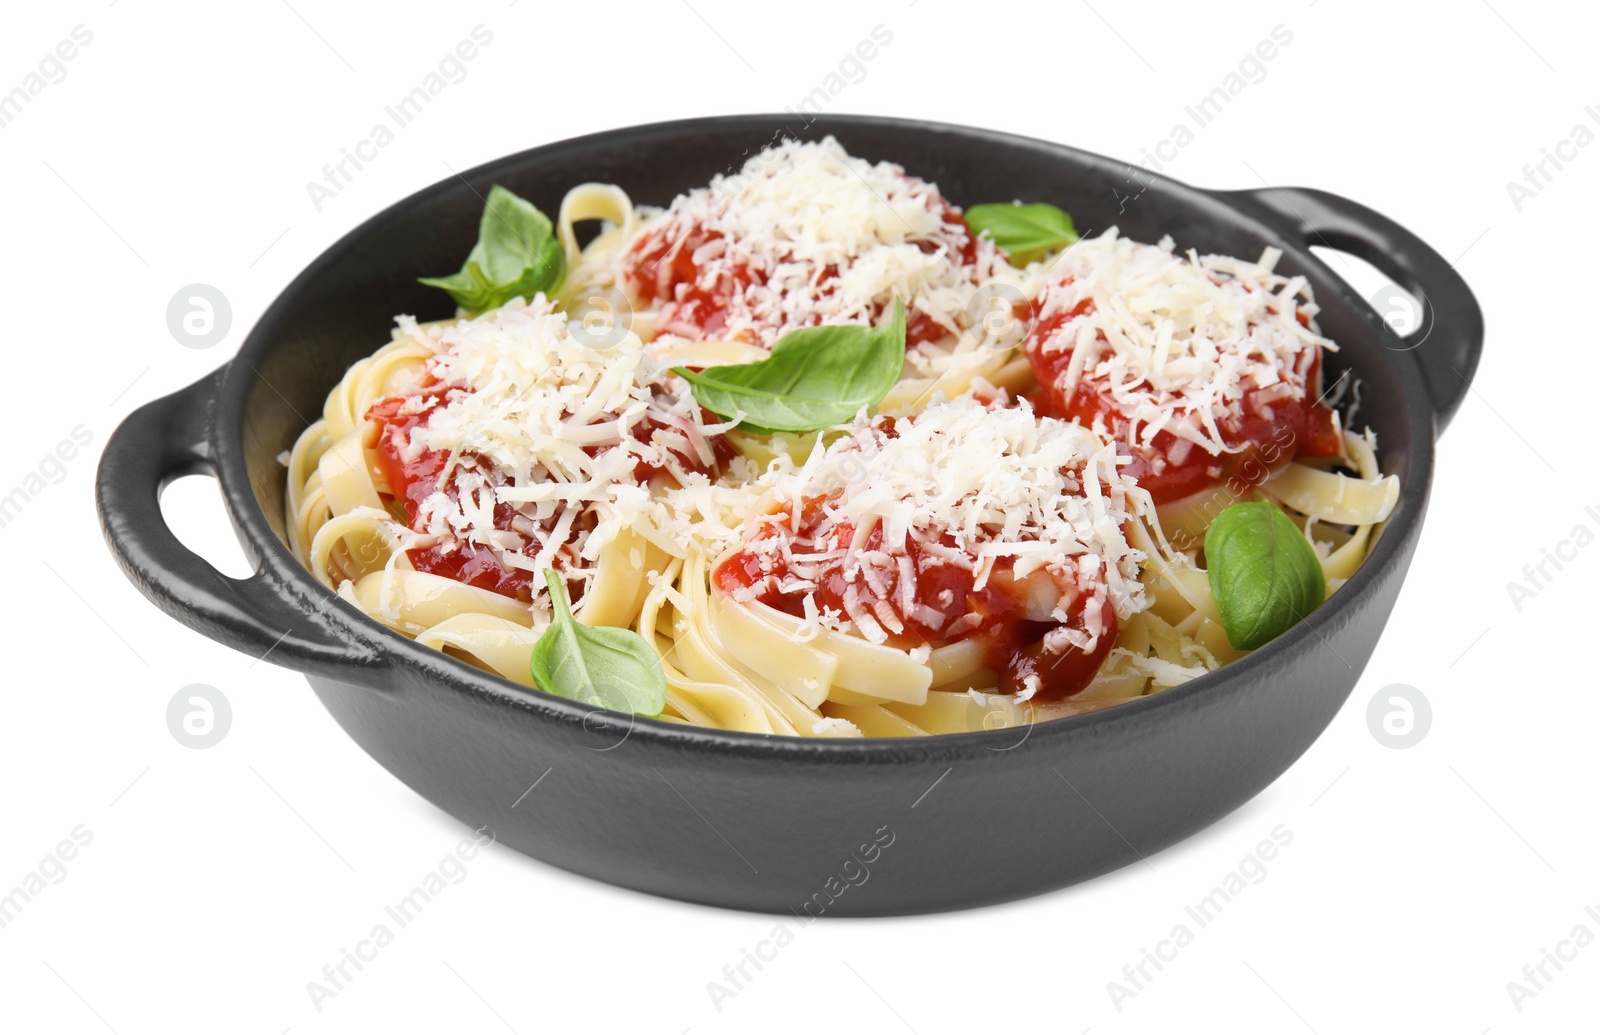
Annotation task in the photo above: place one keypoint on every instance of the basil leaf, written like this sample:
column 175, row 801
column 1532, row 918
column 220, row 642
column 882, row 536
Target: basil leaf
column 516, row 255
column 608, row 668
column 815, row 377
column 1024, row 232
column 1263, row 573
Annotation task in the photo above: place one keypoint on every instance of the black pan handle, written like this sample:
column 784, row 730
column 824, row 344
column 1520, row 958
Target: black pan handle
column 1449, row 339
column 158, row 443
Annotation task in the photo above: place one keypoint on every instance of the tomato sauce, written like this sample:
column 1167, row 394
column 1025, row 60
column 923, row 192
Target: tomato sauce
column 412, row 480
column 1261, row 436
column 660, row 267
column 1012, row 642
column 697, row 300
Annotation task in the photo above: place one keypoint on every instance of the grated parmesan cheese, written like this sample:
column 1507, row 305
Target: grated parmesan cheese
column 541, row 424
column 1175, row 340
column 805, row 234
column 989, row 489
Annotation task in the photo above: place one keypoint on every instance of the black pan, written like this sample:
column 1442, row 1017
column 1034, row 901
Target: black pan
column 818, row 827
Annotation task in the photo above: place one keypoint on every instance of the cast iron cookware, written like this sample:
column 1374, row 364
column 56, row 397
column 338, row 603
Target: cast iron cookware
column 787, row 825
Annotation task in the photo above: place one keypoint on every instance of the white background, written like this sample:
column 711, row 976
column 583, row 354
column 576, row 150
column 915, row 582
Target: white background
column 218, row 882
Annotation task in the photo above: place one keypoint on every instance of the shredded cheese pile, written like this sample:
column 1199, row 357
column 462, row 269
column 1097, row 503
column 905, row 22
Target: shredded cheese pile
column 1175, row 340
column 541, row 422
column 826, row 238
column 976, row 487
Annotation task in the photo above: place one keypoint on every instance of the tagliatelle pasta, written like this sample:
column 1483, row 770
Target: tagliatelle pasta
column 1014, row 532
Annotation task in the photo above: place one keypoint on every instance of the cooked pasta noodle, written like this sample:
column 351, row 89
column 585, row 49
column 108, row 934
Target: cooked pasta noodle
column 464, row 457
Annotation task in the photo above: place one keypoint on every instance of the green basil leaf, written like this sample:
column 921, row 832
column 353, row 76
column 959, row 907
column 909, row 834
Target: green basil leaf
column 608, row 668
column 815, row 377
column 1263, row 573
column 1024, row 232
column 516, row 255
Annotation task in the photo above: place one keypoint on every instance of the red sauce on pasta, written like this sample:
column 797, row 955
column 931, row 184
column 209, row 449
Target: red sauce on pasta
column 412, row 479
column 1262, row 434
column 695, row 300
column 1012, row 642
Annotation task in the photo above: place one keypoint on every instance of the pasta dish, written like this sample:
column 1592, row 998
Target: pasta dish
column 813, row 451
